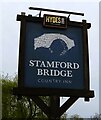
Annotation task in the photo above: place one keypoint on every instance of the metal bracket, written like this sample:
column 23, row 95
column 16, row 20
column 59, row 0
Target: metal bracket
column 57, row 11
column 40, row 14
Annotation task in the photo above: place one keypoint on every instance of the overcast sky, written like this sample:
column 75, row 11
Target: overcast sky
column 9, row 41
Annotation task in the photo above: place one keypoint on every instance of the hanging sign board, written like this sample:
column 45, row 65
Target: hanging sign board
column 53, row 59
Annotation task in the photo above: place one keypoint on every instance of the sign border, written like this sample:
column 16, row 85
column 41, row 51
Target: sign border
column 50, row 91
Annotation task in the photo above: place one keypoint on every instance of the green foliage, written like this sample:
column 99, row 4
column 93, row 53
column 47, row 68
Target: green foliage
column 8, row 100
column 13, row 107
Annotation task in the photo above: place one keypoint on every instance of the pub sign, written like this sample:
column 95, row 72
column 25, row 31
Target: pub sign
column 53, row 55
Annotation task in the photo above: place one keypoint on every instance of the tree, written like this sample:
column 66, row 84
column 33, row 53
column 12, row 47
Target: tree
column 76, row 117
column 96, row 116
column 14, row 107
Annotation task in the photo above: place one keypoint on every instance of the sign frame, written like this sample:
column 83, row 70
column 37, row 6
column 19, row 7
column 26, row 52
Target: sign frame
column 21, row 90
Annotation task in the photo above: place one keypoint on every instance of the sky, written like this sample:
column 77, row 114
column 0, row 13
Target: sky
column 9, row 41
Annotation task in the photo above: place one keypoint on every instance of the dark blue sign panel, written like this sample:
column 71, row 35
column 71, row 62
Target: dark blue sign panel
column 53, row 57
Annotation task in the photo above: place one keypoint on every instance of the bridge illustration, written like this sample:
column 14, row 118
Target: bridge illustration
column 47, row 39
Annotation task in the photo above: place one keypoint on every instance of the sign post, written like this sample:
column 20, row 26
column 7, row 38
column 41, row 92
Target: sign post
column 53, row 60
column 54, row 106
